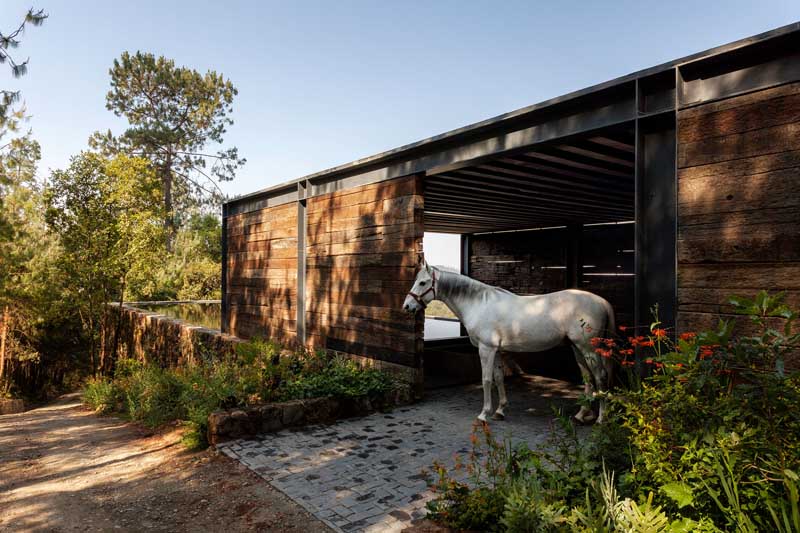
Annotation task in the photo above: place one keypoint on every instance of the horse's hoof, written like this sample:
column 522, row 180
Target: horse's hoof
column 482, row 418
column 498, row 416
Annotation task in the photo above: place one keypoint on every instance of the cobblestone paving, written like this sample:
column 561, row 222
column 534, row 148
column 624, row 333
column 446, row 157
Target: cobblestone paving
column 366, row 474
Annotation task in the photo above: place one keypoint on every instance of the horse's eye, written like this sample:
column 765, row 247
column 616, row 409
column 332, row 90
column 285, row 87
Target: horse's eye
column 423, row 282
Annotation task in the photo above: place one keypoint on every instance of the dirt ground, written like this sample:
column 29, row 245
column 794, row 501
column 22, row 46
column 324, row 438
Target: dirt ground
column 63, row 468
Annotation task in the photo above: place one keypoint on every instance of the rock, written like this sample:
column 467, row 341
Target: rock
column 293, row 413
column 271, row 418
column 11, row 406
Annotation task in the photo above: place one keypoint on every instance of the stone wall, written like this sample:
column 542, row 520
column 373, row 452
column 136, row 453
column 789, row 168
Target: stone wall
column 155, row 338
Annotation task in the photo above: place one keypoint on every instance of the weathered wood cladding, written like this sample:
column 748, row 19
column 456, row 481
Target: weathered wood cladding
column 524, row 262
column 362, row 248
column 738, row 202
column 261, row 284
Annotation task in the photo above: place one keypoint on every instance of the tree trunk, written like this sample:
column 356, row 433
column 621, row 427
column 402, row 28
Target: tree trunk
column 117, row 330
column 3, row 334
column 169, row 216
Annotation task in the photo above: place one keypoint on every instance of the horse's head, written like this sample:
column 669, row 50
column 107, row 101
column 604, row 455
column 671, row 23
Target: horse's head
column 423, row 291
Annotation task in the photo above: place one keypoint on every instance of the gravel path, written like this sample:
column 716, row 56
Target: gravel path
column 62, row 468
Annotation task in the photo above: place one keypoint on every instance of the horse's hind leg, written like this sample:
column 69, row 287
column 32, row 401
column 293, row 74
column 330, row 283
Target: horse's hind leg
column 499, row 378
column 487, row 355
column 585, row 414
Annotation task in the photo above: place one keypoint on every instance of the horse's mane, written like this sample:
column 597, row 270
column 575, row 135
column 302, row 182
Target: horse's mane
column 459, row 284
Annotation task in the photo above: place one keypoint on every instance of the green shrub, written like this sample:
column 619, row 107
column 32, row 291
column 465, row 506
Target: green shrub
column 152, row 395
column 342, row 378
column 101, row 394
column 709, row 442
column 257, row 372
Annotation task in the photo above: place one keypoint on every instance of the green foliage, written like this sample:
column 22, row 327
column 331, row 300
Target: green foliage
column 173, row 113
column 256, row 374
column 193, row 270
column 105, row 216
column 101, row 394
column 709, row 442
column 9, row 118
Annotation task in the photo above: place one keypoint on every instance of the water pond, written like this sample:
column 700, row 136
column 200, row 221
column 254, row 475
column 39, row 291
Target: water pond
column 209, row 315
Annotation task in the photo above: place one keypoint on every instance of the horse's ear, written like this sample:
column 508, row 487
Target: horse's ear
column 426, row 265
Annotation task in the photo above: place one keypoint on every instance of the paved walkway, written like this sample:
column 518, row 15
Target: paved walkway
column 366, row 474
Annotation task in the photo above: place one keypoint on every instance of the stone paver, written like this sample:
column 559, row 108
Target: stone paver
column 366, row 474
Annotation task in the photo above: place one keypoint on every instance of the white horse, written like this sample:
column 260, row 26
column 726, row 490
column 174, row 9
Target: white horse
column 498, row 320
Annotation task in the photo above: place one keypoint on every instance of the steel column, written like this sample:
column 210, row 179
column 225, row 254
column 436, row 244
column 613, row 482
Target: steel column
column 224, row 326
column 301, row 263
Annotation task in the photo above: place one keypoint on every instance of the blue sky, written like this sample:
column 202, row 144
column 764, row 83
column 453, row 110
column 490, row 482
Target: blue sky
column 323, row 83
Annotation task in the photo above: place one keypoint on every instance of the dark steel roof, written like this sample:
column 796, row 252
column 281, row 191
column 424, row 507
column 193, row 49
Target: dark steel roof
column 472, row 131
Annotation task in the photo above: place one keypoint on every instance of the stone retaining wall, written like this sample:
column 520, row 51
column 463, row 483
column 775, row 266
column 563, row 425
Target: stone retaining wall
column 152, row 337
column 237, row 423
column 11, row 406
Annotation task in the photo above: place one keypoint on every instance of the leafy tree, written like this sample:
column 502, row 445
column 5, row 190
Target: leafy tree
column 106, row 216
column 18, row 225
column 9, row 42
column 193, row 270
column 174, row 113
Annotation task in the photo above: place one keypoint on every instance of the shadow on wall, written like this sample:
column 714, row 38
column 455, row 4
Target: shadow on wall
column 738, row 203
column 362, row 247
column 262, row 273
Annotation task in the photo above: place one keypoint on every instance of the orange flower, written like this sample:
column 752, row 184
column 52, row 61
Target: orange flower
column 688, row 335
column 627, row 351
column 648, row 361
column 596, row 341
column 646, row 343
column 623, row 328
column 660, row 333
column 628, row 363
column 604, row 353
column 609, row 343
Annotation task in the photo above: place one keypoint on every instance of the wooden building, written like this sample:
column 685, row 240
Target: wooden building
column 677, row 185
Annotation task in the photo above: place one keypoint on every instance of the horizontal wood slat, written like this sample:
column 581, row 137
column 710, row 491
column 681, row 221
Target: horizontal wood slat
column 738, row 204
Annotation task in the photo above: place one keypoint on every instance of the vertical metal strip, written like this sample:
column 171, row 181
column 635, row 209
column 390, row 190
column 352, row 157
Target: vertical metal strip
column 466, row 252
column 224, row 326
column 301, row 272
column 638, row 239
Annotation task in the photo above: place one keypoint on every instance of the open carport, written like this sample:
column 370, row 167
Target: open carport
column 674, row 185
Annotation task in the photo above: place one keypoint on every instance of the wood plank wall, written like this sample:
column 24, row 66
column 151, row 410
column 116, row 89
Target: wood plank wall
column 738, row 202
column 262, row 273
column 362, row 256
column 525, row 262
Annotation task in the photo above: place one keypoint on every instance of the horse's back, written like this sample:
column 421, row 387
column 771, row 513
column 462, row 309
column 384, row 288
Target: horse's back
column 540, row 322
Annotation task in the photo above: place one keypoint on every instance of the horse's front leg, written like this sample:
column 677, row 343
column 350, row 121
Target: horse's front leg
column 499, row 382
column 487, row 355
